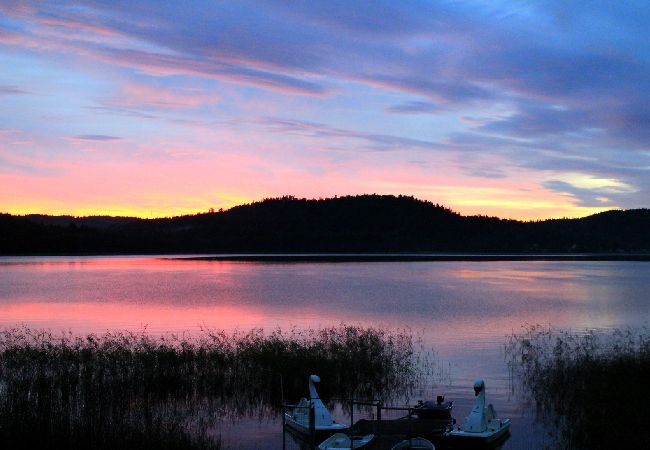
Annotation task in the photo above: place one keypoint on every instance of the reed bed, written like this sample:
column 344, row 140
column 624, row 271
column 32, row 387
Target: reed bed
column 589, row 388
column 136, row 390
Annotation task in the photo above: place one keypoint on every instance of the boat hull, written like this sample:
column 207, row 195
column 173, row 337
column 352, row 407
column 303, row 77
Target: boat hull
column 302, row 431
column 341, row 441
column 416, row 443
column 489, row 436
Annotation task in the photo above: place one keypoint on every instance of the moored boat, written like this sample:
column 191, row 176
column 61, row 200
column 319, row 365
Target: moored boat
column 414, row 443
column 437, row 414
column 440, row 409
column 482, row 424
column 298, row 418
column 341, row 441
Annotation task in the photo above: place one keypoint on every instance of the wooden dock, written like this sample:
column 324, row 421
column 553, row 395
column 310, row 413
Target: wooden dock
column 389, row 432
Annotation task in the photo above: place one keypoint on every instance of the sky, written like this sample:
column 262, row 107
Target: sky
column 516, row 109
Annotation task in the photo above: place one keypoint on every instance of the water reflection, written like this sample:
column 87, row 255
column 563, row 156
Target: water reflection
column 461, row 310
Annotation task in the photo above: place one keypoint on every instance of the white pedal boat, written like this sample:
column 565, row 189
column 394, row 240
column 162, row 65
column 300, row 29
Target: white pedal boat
column 341, row 441
column 298, row 419
column 481, row 425
column 415, row 443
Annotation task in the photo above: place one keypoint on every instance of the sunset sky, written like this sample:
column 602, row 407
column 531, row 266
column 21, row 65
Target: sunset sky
column 157, row 108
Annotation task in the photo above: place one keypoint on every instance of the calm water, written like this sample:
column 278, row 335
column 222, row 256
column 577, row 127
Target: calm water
column 462, row 310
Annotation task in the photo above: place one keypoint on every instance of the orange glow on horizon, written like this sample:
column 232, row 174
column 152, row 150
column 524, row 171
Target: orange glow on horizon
column 116, row 211
column 521, row 209
column 191, row 178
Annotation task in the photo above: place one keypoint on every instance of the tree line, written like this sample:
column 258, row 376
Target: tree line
column 349, row 224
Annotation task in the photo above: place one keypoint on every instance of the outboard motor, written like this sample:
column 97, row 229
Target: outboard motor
column 429, row 409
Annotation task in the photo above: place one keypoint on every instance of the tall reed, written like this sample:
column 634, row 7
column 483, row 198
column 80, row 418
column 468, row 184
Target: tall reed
column 140, row 391
column 589, row 388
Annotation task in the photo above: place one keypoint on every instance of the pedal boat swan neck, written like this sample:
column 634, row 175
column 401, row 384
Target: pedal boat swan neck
column 482, row 424
column 298, row 419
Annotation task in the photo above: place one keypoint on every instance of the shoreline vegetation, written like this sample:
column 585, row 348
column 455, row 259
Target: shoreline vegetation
column 378, row 224
column 590, row 389
column 135, row 390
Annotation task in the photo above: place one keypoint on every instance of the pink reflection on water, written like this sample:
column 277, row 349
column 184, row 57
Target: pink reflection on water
column 125, row 263
column 94, row 317
column 460, row 311
column 453, row 303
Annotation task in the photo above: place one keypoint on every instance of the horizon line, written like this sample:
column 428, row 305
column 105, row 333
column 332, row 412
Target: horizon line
column 292, row 197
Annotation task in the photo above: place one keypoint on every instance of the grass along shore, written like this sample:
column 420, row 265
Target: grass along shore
column 135, row 390
column 590, row 389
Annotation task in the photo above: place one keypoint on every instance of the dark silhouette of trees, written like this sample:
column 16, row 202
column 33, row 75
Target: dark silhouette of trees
column 348, row 224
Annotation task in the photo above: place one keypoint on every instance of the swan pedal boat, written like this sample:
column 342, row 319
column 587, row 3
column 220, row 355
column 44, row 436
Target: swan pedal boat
column 481, row 425
column 298, row 419
column 341, row 441
column 415, row 443
column 495, row 431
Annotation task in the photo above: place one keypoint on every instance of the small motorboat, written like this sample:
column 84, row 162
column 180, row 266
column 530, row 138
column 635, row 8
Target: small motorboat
column 298, row 419
column 482, row 424
column 414, row 443
column 437, row 414
column 440, row 409
column 340, row 441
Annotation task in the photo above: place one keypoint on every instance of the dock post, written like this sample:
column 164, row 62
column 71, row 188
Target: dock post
column 312, row 425
column 378, row 419
column 351, row 411
column 284, row 429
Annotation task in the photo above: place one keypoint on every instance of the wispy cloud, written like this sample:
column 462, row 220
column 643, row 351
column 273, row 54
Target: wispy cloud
column 158, row 64
column 12, row 90
column 414, row 107
column 139, row 95
column 583, row 196
column 96, row 138
column 375, row 141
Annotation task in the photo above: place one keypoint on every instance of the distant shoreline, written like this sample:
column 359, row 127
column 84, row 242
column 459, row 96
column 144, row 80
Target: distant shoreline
column 415, row 257
column 405, row 228
column 353, row 257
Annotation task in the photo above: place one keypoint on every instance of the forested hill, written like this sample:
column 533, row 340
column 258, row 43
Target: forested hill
column 367, row 223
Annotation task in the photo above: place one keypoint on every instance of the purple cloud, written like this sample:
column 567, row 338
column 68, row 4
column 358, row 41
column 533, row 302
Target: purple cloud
column 417, row 107
column 374, row 141
column 12, row 90
column 96, row 137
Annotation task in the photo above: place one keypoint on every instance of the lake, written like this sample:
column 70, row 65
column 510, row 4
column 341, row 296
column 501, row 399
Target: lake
column 461, row 310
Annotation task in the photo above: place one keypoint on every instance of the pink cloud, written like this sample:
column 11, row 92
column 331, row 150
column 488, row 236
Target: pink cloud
column 77, row 25
column 135, row 95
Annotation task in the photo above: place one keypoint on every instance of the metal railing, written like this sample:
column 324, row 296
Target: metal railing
column 376, row 405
